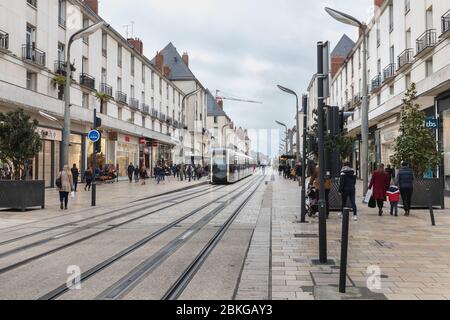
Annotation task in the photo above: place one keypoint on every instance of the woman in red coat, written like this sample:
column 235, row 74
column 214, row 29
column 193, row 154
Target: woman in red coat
column 380, row 183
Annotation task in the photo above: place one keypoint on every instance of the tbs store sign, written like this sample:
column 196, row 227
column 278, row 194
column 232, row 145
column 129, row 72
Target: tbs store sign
column 431, row 123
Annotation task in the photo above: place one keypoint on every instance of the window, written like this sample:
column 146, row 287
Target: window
column 391, row 90
column 429, row 67
column 153, row 80
column 85, row 25
column 84, row 65
column 104, row 44
column 215, row 119
column 429, row 18
column 119, row 84
column 85, row 102
column 132, row 66
column 359, row 58
column 167, row 91
column 143, row 73
column 153, row 102
column 407, row 6
column 61, row 52
column 407, row 80
column 120, row 113
column 143, row 97
column 62, row 13
column 31, row 81
column 160, row 86
column 173, row 95
column 132, row 117
column 143, row 121
column 391, row 18
column 104, row 76
column 378, row 100
column 408, row 39
column 32, row 3
column 132, row 92
column 119, row 56
column 392, row 54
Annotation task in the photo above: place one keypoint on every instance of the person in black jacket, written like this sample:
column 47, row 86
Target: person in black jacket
column 130, row 172
column 347, row 188
column 405, row 181
column 75, row 175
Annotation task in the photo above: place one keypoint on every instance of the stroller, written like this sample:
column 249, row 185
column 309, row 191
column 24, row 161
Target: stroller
column 312, row 206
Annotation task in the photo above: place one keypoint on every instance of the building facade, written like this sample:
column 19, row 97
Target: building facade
column 141, row 115
column 408, row 41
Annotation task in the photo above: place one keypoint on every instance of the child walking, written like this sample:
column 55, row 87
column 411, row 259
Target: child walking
column 394, row 197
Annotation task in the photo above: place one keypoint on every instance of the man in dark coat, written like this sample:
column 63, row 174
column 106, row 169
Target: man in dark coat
column 130, row 172
column 405, row 180
column 347, row 188
column 75, row 175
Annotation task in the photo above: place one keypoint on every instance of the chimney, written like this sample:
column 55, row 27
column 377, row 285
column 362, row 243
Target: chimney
column 220, row 103
column 166, row 71
column 93, row 4
column 159, row 61
column 186, row 59
column 137, row 44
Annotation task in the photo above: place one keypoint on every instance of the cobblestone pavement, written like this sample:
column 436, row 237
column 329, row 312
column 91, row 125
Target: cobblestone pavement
column 409, row 257
column 108, row 195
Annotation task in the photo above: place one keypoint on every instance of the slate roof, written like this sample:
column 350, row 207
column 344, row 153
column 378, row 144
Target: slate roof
column 179, row 70
column 344, row 47
column 213, row 108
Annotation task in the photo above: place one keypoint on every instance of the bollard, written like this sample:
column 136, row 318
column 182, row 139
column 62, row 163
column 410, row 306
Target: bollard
column 344, row 249
column 430, row 206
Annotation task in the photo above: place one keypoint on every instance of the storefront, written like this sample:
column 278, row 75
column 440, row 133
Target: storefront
column 389, row 131
column 46, row 165
column 145, row 153
column 127, row 152
column 76, row 151
column 443, row 105
column 161, row 153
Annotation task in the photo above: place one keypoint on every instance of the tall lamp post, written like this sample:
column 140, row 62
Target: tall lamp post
column 183, row 107
column 285, row 126
column 66, row 128
column 349, row 20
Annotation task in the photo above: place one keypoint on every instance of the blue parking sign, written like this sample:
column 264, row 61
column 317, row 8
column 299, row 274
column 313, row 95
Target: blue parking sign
column 94, row 136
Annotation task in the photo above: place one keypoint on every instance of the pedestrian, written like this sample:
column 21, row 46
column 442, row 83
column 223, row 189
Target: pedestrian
column 314, row 181
column 174, row 171
column 136, row 174
column 189, row 172
column 390, row 172
column 394, row 197
column 405, row 181
column 380, row 183
column 88, row 176
column 298, row 171
column 65, row 186
column 75, row 175
column 182, row 172
column 130, row 172
column 143, row 174
column 347, row 189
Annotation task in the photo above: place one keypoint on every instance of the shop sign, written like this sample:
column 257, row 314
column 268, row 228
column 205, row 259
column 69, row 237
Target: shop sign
column 390, row 136
column 49, row 134
column 431, row 123
column 113, row 136
column 142, row 141
column 127, row 139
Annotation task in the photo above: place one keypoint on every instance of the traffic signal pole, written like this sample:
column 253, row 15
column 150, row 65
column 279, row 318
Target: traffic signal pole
column 94, row 164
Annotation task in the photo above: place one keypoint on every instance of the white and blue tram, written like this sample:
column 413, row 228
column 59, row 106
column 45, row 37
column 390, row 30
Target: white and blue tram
column 229, row 166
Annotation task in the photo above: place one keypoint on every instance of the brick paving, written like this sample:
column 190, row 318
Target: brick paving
column 407, row 257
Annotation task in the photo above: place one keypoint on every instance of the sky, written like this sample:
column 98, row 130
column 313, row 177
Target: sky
column 242, row 47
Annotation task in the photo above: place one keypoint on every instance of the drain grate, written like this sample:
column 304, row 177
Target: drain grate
column 306, row 235
column 384, row 244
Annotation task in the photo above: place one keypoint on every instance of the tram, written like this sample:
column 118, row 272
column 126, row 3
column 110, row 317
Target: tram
column 229, row 166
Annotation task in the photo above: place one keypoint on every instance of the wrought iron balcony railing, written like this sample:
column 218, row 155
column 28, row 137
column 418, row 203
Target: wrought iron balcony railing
column 87, row 81
column 446, row 22
column 134, row 103
column 405, row 58
column 30, row 53
column 4, row 40
column 376, row 83
column 106, row 89
column 389, row 72
column 426, row 40
column 162, row 117
column 155, row 113
column 145, row 108
column 121, row 97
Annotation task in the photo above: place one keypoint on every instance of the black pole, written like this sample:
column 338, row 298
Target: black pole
column 322, row 204
column 305, row 131
column 430, row 207
column 94, row 164
column 344, row 250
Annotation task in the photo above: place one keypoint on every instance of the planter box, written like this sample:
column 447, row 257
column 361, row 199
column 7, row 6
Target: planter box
column 22, row 194
column 419, row 200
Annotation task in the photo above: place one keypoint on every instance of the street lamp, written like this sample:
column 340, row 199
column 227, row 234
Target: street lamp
column 283, row 125
column 66, row 128
column 183, row 107
column 292, row 92
column 349, row 20
column 51, row 118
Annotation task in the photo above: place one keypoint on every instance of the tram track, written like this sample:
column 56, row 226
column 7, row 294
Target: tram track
column 72, row 223
column 77, row 241
column 63, row 288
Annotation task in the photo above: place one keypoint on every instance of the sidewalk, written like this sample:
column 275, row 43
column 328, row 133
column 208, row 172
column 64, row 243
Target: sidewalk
column 388, row 257
column 108, row 195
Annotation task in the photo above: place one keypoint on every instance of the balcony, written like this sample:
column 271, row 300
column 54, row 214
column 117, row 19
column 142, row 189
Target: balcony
column 426, row 43
column 32, row 3
column 389, row 73
column 405, row 60
column 162, row 117
column 154, row 113
column 62, row 22
column 376, row 84
column 169, row 120
column 121, row 97
column 445, row 25
column 145, row 108
column 176, row 124
column 134, row 103
column 4, row 40
column 87, row 81
column 106, row 89
column 33, row 55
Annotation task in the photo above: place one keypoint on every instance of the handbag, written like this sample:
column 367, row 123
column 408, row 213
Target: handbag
column 58, row 183
column 372, row 203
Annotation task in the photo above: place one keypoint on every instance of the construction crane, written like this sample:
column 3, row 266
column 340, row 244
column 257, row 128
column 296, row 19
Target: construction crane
column 219, row 97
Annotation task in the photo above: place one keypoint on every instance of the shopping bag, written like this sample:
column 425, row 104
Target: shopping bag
column 372, row 203
column 72, row 194
column 368, row 196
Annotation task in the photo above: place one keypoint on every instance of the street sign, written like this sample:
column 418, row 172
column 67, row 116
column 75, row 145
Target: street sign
column 94, row 136
column 431, row 123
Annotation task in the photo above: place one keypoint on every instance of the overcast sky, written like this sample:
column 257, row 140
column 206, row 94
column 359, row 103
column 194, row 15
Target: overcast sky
column 242, row 47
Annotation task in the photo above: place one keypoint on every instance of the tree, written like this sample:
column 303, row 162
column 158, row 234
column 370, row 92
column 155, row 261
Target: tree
column 19, row 141
column 416, row 144
column 343, row 144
